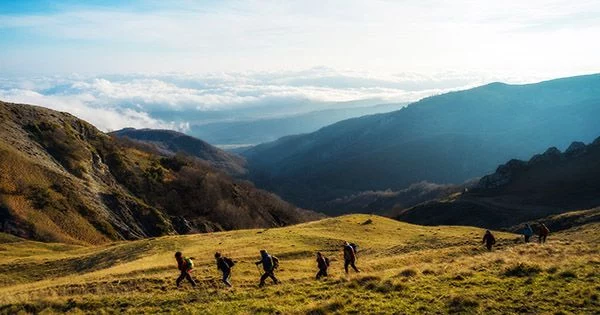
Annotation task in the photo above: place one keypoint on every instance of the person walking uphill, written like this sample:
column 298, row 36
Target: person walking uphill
column 185, row 266
column 322, row 264
column 225, row 264
column 270, row 263
column 349, row 257
column 489, row 240
column 527, row 232
column 543, row 233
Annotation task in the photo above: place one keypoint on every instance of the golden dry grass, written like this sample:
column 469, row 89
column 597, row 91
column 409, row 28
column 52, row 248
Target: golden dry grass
column 405, row 269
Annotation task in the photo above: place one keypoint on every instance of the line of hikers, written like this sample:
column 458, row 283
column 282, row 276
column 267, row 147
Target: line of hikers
column 489, row 240
column 269, row 264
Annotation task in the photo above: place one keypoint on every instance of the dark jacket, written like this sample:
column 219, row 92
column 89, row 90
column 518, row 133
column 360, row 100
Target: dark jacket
column 267, row 261
column 222, row 264
column 349, row 254
column 322, row 263
column 488, row 238
column 182, row 264
column 544, row 231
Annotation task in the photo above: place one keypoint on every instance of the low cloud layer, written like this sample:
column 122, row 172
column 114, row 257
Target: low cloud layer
column 112, row 102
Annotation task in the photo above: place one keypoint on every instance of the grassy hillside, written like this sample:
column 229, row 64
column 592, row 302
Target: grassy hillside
column 171, row 142
column 406, row 268
column 62, row 180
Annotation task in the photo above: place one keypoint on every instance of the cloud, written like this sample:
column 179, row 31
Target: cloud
column 179, row 100
column 104, row 118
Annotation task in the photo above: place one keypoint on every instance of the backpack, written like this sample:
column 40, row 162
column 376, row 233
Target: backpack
column 229, row 262
column 275, row 261
column 189, row 263
column 354, row 247
column 327, row 261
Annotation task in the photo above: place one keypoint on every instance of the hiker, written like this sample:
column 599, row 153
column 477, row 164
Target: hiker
column 489, row 240
column 270, row 263
column 527, row 232
column 185, row 265
column 322, row 264
column 543, row 233
column 349, row 256
column 225, row 264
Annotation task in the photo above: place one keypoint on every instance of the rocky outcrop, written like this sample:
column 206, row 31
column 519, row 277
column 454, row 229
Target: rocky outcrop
column 503, row 174
column 506, row 172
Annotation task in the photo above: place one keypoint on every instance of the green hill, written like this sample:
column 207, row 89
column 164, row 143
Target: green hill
column 405, row 269
column 63, row 180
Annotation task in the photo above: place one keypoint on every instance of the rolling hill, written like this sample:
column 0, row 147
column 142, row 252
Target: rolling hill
column 63, row 180
column 447, row 138
column 405, row 268
column 170, row 142
column 548, row 184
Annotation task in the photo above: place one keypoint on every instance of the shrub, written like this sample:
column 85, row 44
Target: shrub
column 408, row 273
column 326, row 309
column 522, row 270
column 568, row 274
column 459, row 304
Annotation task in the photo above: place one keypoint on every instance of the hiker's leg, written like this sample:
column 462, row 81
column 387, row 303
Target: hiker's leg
column 354, row 267
column 527, row 238
column 180, row 278
column 263, row 278
column 489, row 247
column 321, row 273
column 272, row 275
column 226, row 276
column 346, row 263
column 188, row 276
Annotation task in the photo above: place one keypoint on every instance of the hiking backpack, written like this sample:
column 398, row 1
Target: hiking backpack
column 275, row 261
column 327, row 261
column 354, row 247
column 229, row 262
column 189, row 262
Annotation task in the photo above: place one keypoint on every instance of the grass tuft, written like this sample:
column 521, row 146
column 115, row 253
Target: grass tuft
column 522, row 270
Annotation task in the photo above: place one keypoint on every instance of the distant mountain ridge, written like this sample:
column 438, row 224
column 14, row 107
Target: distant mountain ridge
column 447, row 138
column 252, row 132
column 548, row 184
column 62, row 180
column 171, row 142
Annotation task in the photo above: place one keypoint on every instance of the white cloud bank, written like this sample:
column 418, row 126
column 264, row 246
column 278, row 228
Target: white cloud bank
column 176, row 100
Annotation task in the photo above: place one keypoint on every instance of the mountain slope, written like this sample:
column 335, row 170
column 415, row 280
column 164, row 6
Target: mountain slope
column 250, row 132
column 405, row 269
column 548, row 184
column 63, row 180
column 171, row 142
column 447, row 138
